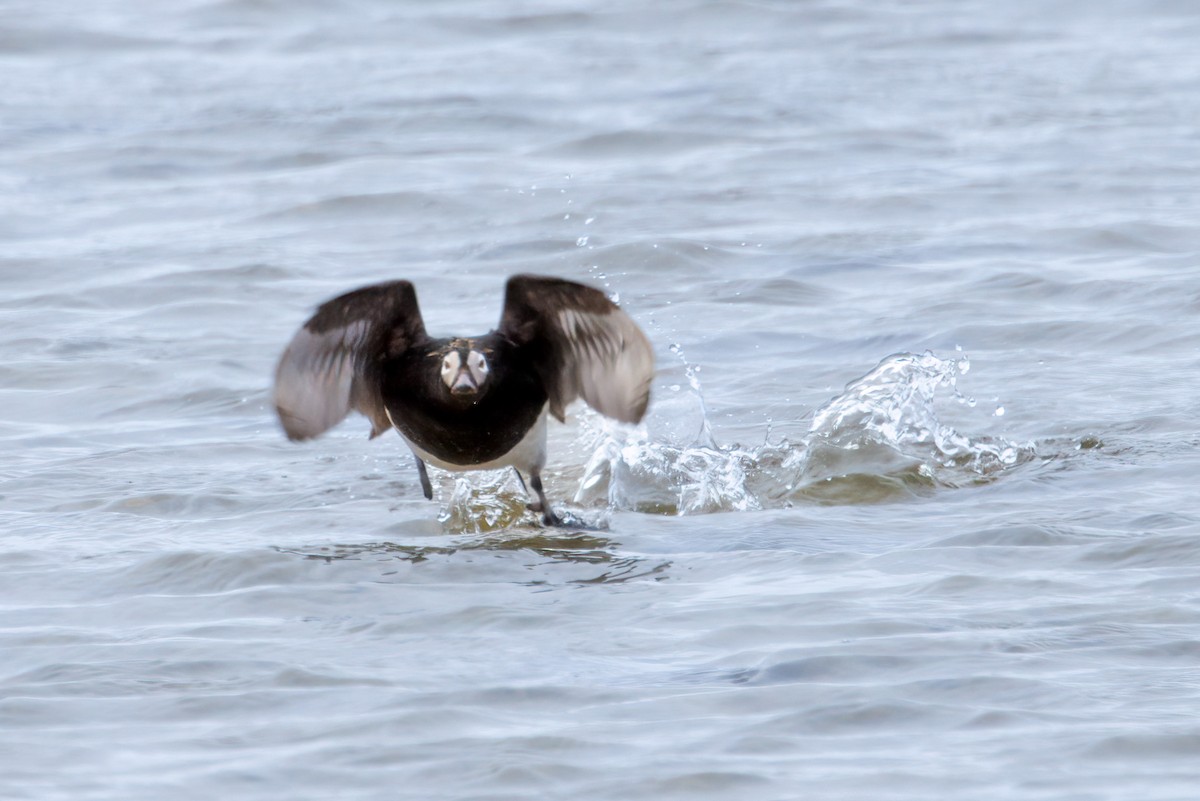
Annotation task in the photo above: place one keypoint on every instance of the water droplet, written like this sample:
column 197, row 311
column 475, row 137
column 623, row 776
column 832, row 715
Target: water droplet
column 567, row 216
column 581, row 241
column 589, row 221
column 675, row 387
column 999, row 411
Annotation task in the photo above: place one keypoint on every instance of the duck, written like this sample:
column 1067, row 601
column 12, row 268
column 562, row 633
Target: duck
column 465, row 403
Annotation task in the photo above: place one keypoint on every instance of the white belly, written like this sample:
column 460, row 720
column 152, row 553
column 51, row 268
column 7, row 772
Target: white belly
column 528, row 454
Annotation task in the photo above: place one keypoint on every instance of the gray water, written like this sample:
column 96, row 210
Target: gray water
column 914, row 514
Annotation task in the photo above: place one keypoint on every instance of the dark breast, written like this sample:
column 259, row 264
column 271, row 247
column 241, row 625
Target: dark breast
column 456, row 430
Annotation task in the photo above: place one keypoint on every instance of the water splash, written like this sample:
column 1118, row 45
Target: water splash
column 628, row 470
column 490, row 501
column 880, row 439
column 484, row 502
column 893, row 406
column 692, row 373
column 679, row 470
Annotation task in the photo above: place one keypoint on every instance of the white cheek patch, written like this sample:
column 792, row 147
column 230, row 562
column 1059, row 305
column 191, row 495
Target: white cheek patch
column 478, row 365
column 450, row 366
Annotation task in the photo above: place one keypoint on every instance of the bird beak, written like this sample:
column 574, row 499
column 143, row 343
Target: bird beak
column 464, row 384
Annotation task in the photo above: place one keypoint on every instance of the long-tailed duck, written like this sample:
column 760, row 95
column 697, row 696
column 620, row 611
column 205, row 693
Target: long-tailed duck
column 465, row 403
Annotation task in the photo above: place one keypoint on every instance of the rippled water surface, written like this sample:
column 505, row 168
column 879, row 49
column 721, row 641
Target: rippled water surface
column 914, row 513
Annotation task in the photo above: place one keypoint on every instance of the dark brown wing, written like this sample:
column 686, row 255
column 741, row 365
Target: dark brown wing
column 330, row 366
column 583, row 345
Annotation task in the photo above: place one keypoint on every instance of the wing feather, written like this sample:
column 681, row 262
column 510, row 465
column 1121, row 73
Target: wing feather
column 583, row 345
column 329, row 367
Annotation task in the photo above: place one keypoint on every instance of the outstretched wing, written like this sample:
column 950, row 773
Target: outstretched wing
column 330, row 366
column 582, row 344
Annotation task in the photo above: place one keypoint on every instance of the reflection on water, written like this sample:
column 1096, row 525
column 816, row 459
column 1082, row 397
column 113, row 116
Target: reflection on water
column 566, row 547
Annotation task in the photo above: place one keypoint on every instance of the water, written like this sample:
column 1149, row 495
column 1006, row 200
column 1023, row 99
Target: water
column 913, row 515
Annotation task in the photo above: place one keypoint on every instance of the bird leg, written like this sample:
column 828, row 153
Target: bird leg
column 543, row 506
column 426, row 487
column 533, row 506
